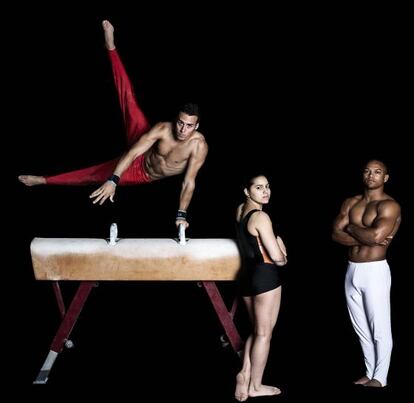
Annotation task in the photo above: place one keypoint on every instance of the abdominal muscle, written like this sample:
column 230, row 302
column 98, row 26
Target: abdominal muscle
column 157, row 167
column 362, row 253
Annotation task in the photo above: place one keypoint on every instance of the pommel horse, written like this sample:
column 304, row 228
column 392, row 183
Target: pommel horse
column 92, row 260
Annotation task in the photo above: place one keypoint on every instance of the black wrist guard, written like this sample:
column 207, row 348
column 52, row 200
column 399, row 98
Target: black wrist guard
column 114, row 179
column 181, row 215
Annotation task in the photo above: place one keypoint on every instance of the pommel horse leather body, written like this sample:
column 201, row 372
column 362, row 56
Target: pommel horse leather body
column 92, row 260
column 135, row 259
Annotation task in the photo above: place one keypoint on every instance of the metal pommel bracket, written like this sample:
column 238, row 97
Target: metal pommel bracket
column 181, row 234
column 113, row 234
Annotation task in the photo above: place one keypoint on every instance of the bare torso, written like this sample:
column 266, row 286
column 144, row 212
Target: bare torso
column 170, row 156
column 364, row 213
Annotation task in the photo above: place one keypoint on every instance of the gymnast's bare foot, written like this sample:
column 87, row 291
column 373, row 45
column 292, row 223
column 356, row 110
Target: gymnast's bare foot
column 373, row 383
column 32, row 180
column 264, row 390
column 242, row 387
column 109, row 34
column 362, row 381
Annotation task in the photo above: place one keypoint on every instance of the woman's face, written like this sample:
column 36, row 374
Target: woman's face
column 259, row 190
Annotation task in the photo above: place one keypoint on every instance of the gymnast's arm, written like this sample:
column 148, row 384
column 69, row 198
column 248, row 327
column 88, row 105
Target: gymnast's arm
column 145, row 142
column 274, row 246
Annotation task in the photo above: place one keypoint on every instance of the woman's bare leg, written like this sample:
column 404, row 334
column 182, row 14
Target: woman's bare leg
column 266, row 310
column 243, row 377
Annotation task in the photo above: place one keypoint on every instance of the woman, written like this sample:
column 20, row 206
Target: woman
column 262, row 252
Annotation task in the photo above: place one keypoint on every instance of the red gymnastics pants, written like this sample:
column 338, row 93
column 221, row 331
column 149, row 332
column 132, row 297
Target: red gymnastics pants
column 136, row 124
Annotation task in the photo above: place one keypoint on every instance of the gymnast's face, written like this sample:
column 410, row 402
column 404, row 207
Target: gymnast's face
column 375, row 174
column 185, row 126
column 259, row 190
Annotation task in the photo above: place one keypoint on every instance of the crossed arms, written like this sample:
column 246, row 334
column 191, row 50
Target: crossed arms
column 274, row 245
column 380, row 232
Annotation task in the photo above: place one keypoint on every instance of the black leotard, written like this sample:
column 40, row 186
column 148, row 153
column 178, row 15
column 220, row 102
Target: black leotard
column 259, row 273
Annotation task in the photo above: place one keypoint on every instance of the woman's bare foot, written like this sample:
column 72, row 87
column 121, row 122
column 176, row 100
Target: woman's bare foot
column 264, row 390
column 373, row 383
column 32, row 180
column 109, row 34
column 242, row 387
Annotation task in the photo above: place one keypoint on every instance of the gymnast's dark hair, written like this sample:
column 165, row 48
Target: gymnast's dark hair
column 190, row 109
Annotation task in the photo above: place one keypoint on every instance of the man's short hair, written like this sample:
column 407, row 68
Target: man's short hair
column 384, row 166
column 190, row 109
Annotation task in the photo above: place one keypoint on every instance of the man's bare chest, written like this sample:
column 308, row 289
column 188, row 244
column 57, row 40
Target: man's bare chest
column 173, row 153
column 364, row 213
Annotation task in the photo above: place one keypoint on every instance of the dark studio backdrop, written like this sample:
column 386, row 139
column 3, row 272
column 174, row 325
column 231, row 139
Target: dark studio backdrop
column 306, row 104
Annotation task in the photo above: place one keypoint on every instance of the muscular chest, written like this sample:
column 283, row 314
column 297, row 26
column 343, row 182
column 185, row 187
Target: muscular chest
column 364, row 213
column 172, row 153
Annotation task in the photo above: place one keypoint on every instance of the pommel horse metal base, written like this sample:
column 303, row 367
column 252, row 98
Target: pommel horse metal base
column 92, row 260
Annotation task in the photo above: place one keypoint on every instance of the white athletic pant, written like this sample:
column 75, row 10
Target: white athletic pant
column 367, row 291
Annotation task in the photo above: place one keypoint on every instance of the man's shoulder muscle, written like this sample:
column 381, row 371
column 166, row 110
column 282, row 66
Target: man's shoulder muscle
column 162, row 128
column 351, row 201
column 199, row 144
column 389, row 205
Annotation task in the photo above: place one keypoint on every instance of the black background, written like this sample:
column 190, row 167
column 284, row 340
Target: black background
column 303, row 98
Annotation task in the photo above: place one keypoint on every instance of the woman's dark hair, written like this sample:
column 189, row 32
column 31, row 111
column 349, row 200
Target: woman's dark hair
column 249, row 180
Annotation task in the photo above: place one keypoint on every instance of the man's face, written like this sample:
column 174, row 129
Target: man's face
column 374, row 175
column 185, row 126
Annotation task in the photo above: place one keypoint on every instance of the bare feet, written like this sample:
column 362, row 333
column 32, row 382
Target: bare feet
column 242, row 387
column 109, row 34
column 264, row 390
column 32, row 180
column 373, row 383
column 362, row 381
